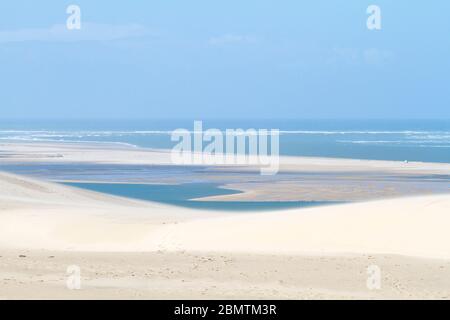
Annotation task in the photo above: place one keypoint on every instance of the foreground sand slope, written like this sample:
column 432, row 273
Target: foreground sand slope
column 32, row 274
column 42, row 215
column 132, row 249
column 418, row 226
column 48, row 216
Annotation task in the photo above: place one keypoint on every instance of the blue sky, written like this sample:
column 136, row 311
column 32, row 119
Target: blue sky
column 225, row 59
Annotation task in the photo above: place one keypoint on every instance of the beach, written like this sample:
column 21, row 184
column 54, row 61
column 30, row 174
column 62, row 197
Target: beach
column 128, row 248
column 249, row 150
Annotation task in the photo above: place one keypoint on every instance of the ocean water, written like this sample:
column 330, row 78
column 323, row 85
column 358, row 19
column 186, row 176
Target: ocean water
column 412, row 140
column 418, row 140
column 184, row 195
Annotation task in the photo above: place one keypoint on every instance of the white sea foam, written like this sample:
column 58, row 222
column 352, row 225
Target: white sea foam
column 400, row 137
column 151, row 132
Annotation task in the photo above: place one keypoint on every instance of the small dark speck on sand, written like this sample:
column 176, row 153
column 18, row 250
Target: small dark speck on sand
column 22, row 256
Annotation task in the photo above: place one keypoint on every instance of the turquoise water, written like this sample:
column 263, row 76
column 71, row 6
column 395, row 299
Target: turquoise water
column 182, row 195
column 412, row 140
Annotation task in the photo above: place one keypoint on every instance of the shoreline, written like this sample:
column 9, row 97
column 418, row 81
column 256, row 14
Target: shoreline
column 66, row 152
column 299, row 179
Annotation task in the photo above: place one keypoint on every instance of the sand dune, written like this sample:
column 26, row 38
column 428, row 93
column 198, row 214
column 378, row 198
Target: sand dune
column 44, row 215
column 141, row 249
column 417, row 226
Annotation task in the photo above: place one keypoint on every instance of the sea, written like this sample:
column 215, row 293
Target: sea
column 403, row 140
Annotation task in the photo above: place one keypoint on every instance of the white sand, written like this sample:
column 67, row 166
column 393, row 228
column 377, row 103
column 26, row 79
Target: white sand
column 43, row 215
column 108, row 236
column 417, row 226
column 122, row 154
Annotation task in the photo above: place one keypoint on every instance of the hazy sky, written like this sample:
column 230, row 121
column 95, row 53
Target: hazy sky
column 224, row 59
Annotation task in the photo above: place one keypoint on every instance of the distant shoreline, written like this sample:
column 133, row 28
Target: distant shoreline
column 396, row 140
column 300, row 178
column 37, row 151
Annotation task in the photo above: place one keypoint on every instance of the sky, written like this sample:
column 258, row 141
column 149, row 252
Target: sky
column 230, row 59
